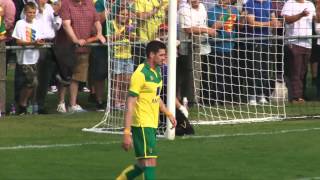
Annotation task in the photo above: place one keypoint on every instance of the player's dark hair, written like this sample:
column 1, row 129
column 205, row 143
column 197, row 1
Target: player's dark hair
column 154, row 47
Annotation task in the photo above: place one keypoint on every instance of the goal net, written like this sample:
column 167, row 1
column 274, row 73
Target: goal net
column 130, row 25
column 233, row 74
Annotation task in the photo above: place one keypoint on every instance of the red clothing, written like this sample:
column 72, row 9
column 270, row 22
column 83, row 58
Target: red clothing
column 82, row 15
column 9, row 14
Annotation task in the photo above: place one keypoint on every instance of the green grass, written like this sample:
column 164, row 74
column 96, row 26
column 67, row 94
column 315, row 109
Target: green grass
column 246, row 151
column 41, row 147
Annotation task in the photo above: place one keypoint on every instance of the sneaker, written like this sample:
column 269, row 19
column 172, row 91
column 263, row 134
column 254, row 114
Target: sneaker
column 53, row 89
column 100, row 107
column 252, row 101
column 298, row 101
column 76, row 109
column 62, row 108
column 85, row 89
column 50, row 92
column 263, row 100
column 22, row 110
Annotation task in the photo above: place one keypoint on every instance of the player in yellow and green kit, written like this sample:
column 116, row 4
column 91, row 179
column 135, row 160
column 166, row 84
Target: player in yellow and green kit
column 142, row 115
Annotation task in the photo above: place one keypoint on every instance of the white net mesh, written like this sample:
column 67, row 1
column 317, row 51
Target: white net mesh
column 129, row 26
column 231, row 60
column 236, row 68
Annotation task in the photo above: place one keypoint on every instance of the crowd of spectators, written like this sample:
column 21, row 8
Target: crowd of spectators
column 224, row 66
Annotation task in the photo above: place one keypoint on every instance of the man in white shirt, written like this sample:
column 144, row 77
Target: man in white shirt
column 193, row 25
column 298, row 15
column 47, row 16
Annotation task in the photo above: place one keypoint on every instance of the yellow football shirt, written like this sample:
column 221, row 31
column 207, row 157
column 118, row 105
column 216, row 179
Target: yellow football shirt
column 146, row 84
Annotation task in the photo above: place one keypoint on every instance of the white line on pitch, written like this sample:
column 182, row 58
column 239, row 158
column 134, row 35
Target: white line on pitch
column 185, row 137
column 55, row 145
column 252, row 134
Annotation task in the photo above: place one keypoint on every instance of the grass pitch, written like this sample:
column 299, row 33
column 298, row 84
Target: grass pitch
column 54, row 147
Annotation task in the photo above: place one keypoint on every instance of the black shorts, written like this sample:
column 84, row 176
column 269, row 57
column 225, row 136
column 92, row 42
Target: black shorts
column 98, row 64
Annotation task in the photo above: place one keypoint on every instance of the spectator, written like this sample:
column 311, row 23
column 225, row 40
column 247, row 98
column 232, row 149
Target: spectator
column 120, row 31
column 261, row 19
column 79, row 16
column 48, row 17
column 298, row 15
column 223, row 17
column 98, row 64
column 150, row 15
column 278, row 52
column 27, row 32
column 9, row 15
column 193, row 26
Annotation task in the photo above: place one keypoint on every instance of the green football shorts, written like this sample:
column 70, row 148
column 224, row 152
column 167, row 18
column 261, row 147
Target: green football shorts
column 144, row 142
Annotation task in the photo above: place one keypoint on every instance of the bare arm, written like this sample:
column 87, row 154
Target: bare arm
column 200, row 30
column 67, row 27
column 99, row 35
column 251, row 20
column 242, row 20
column 131, row 103
column 164, row 109
column 103, row 15
column 127, row 141
column 146, row 15
column 274, row 23
column 297, row 17
column 26, row 43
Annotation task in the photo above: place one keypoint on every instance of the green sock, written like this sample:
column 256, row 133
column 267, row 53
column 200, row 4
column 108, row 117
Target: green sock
column 133, row 171
column 150, row 173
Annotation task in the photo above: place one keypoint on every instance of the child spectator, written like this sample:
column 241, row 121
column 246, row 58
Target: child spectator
column 26, row 32
column 120, row 30
column 2, row 25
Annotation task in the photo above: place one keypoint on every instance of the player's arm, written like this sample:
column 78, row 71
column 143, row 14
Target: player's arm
column 165, row 110
column 127, row 141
